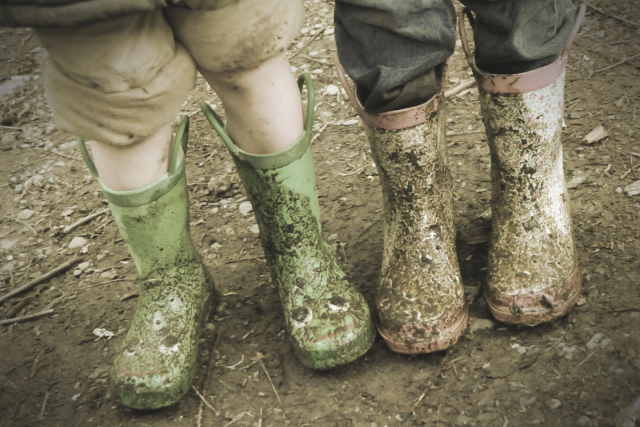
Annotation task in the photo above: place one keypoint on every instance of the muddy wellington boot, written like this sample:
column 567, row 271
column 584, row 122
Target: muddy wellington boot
column 420, row 298
column 327, row 319
column 157, row 362
column 533, row 274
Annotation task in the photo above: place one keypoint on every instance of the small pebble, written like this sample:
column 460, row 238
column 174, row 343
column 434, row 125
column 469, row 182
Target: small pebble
column 255, row 229
column 77, row 242
column 584, row 421
column 246, row 207
column 25, row 214
column 331, row 90
column 553, row 403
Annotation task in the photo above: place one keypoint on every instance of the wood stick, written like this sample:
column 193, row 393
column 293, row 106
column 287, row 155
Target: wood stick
column 23, row 318
column 619, row 18
column 614, row 65
column 11, row 128
column 462, row 86
column 321, row 30
column 272, row 386
column 66, row 156
column 210, row 406
column 35, row 233
column 84, row 220
column 40, row 279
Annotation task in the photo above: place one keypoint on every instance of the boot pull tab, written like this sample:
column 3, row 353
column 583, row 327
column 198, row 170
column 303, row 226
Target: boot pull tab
column 82, row 146
column 576, row 27
column 305, row 79
column 220, row 127
column 463, row 37
column 179, row 142
column 343, row 80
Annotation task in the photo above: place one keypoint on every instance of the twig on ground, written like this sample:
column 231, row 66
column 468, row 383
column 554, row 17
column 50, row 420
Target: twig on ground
column 557, row 343
column 245, row 259
column 319, row 132
column 26, row 273
column 23, row 318
column 54, row 151
column 311, row 58
column 84, row 220
column 40, row 279
column 465, row 84
column 44, row 405
column 586, row 358
column 321, row 30
column 199, row 416
column 614, row 65
column 34, row 367
column 209, row 405
column 19, row 306
column 11, row 128
column 108, row 282
column 260, row 419
column 355, row 172
column 226, row 385
column 269, row 376
column 35, row 233
column 619, row 18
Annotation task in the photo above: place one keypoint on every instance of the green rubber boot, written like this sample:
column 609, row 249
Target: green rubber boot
column 327, row 319
column 157, row 362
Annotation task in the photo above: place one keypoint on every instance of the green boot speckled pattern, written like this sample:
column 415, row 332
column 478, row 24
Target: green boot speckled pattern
column 157, row 362
column 327, row 319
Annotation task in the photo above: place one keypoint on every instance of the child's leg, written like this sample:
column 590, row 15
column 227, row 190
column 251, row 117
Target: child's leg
column 122, row 82
column 262, row 106
column 326, row 317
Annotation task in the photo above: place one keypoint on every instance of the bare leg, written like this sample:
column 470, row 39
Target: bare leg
column 264, row 115
column 134, row 166
column 263, row 106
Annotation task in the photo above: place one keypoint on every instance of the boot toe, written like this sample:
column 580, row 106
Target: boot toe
column 327, row 338
column 536, row 307
column 154, row 376
column 425, row 329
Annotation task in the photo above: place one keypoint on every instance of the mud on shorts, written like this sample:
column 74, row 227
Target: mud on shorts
column 120, row 80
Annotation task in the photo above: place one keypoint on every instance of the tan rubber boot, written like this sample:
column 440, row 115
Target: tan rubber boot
column 420, row 298
column 532, row 273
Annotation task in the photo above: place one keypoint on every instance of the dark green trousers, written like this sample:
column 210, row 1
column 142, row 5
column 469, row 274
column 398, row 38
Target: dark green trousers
column 394, row 49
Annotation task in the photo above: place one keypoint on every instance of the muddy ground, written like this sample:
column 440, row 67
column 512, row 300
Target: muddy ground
column 579, row 370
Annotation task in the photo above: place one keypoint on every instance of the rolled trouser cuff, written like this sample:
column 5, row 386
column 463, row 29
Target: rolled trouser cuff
column 119, row 118
column 246, row 33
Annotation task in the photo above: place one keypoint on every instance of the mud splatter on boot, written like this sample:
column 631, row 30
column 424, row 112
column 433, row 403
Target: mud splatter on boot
column 157, row 362
column 327, row 319
column 420, row 299
column 533, row 273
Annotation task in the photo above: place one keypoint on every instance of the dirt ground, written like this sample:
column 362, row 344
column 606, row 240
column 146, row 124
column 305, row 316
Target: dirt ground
column 580, row 370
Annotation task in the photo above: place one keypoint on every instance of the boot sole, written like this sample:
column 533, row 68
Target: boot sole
column 446, row 336
column 538, row 307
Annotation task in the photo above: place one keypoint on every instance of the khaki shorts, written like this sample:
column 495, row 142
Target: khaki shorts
column 120, row 80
